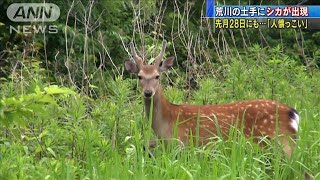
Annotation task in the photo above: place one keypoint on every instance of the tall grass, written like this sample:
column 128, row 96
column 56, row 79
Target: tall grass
column 106, row 138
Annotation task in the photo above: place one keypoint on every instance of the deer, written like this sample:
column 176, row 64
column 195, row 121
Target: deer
column 256, row 118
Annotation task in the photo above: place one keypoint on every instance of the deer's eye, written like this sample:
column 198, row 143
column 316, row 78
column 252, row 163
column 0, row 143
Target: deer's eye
column 139, row 77
column 157, row 77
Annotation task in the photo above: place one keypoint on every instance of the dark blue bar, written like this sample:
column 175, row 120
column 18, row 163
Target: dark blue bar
column 210, row 8
column 213, row 11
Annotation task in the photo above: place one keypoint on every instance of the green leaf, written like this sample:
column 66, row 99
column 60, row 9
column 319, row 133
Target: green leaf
column 274, row 61
column 38, row 149
column 57, row 90
column 9, row 101
column 26, row 150
column 93, row 86
column 37, row 90
column 34, row 108
column 51, row 152
column 15, row 117
column 43, row 133
column 47, row 99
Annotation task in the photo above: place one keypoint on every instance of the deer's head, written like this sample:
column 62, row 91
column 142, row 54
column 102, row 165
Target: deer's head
column 149, row 75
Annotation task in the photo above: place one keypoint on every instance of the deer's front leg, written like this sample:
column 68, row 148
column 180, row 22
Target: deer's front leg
column 152, row 143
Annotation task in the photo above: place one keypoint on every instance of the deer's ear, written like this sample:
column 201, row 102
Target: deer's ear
column 166, row 64
column 131, row 67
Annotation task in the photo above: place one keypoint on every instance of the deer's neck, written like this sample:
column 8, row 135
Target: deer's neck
column 160, row 114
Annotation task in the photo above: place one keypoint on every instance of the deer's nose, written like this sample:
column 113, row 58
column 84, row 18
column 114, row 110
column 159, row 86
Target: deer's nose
column 147, row 93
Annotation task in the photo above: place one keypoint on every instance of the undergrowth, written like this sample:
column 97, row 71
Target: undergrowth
column 53, row 132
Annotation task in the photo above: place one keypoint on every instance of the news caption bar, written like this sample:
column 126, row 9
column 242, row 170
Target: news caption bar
column 272, row 17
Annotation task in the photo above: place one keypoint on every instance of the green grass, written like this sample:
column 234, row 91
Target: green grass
column 103, row 138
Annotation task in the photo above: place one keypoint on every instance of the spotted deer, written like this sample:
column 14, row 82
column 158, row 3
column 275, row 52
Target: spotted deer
column 255, row 118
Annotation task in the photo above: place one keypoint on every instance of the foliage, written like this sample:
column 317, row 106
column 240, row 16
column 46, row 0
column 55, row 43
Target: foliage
column 22, row 108
column 69, row 111
column 85, row 138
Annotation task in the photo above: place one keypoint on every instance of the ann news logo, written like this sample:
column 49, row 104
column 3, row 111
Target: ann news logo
column 36, row 13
